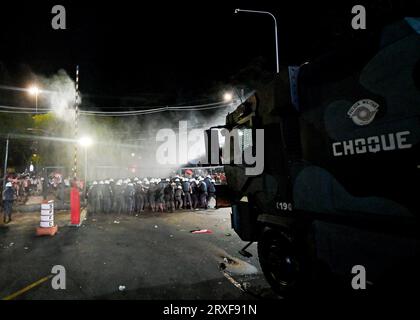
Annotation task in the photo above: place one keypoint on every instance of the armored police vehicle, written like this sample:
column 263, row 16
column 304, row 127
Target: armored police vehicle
column 339, row 193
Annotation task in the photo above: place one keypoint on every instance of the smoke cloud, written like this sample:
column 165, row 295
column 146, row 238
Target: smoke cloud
column 122, row 146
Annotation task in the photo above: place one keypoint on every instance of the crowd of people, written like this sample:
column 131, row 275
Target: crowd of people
column 133, row 196
column 26, row 185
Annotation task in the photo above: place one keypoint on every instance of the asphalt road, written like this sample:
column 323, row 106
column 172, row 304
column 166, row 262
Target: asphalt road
column 154, row 256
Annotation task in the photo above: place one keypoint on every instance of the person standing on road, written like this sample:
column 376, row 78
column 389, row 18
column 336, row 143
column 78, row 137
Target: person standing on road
column 151, row 195
column 94, row 197
column 186, row 188
column 178, row 197
column 129, row 198
column 138, row 198
column 106, row 197
column 211, row 198
column 144, row 190
column 169, row 197
column 101, row 189
column 202, row 187
column 9, row 195
column 194, row 193
column 119, row 197
column 112, row 186
column 160, row 195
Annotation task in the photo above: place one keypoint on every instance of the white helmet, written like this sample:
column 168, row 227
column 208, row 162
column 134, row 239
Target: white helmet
column 179, row 187
column 139, row 182
column 118, row 183
column 111, row 180
column 176, row 180
column 130, row 184
column 106, row 181
column 101, row 182
column 212, row 180
column 9, row 184
column 136, row 179
column 95, row 182
column 158, row 180
column 147, row 182
column 167, row 180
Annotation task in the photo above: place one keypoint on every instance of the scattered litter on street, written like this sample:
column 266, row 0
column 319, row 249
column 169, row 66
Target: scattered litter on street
column 201, row 231
column 233, row 281
column 116, row 222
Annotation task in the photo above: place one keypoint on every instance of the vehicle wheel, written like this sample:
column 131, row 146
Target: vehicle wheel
column 281, row 262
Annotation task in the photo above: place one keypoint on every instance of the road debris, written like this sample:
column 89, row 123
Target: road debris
column 116, row 222
column 233, row 281
column 201, row 231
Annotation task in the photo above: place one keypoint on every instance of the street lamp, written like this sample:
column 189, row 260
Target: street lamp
column 275, row 30
column 34, row 91
column 227, row 97
column 86, row 142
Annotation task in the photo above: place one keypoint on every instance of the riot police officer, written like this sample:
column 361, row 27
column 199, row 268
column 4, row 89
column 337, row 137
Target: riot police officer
column 129, row 193
column 106, row 197
column 186, row 188
column 169, row 196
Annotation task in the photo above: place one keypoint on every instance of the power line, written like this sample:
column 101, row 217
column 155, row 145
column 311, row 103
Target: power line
column 200, row 107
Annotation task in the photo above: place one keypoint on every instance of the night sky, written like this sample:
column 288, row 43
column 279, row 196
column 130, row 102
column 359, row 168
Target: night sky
column 129, row 48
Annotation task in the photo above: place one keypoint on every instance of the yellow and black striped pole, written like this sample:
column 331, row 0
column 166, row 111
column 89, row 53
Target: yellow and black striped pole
column 76, row 122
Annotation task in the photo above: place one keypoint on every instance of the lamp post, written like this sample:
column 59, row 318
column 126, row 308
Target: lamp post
column 6, row 155
column 275, row 30
column 34, row 91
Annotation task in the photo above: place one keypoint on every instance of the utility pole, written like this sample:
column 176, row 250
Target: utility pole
column 5, row 160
